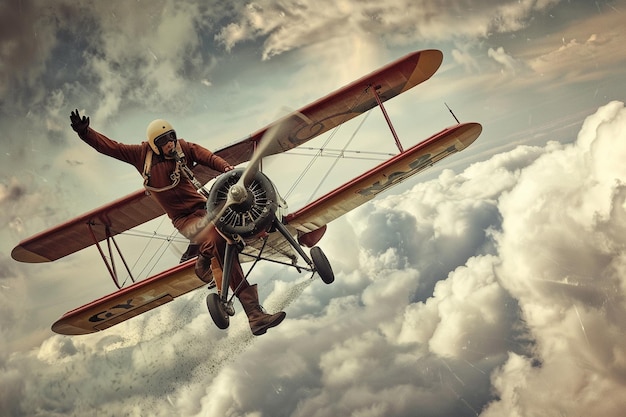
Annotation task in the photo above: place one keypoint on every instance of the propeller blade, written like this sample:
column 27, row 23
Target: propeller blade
column 265, row 145
column 239, row 191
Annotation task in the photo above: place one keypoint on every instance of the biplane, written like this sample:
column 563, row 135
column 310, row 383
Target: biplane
column 244, row 205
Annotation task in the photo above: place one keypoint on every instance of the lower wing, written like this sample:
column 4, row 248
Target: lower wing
column 130, row 301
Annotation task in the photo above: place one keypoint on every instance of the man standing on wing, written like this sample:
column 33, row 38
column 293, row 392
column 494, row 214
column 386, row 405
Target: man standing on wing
column 159, row 161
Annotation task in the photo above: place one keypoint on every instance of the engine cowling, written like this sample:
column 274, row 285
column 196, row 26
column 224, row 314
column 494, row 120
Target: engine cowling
column 250, row 218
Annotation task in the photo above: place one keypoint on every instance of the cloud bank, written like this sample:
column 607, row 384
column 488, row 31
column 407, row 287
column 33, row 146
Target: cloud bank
column 293, row 24
column 495, row 291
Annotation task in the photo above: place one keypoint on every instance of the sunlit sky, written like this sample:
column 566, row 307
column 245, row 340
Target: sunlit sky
column 492, row 285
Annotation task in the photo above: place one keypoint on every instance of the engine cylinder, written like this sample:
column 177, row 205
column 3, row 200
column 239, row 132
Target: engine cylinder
column 250, row 216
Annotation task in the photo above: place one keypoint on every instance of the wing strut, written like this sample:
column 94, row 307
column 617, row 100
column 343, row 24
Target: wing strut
column 393, row 131
column 110, row 264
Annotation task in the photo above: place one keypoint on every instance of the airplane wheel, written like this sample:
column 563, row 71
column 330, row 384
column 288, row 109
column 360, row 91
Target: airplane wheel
column 322, row 266
column 217, row 311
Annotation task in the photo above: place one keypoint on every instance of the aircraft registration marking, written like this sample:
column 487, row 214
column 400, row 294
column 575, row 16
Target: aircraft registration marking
column 122, row 307
column 414, row 167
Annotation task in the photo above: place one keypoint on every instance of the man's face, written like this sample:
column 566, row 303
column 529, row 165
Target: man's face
column 168, row 148
column 166, row 142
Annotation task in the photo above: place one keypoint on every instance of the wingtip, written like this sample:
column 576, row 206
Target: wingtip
column 21, row 254
column 63, row 328
column 428, row 63
column 469, row 132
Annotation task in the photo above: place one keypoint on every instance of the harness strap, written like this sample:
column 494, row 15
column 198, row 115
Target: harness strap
column 175, row 176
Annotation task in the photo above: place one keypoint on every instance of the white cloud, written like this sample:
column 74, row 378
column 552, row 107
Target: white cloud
column 513, row 16
column 560, row 260
column 465, row 59
column 288, row 25
column 584, row 51
column 508, row 63
column 469, row 304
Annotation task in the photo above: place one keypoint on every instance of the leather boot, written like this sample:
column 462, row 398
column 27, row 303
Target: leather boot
column 204, row 271
column 259, row 320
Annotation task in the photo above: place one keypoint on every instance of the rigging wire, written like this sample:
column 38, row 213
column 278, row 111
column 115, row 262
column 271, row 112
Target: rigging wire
column 156, row 236
column 164, row 247
column 319, row 185
column 344, row 154
column 310, row 164
column 318, row 154
column 151, row 237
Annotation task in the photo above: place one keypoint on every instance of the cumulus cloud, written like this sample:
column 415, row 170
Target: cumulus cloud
column 562, row 256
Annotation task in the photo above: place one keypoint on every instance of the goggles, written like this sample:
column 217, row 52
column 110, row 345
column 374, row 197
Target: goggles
column 164, row 138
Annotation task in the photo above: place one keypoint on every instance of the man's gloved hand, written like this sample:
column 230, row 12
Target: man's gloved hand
column 79, row 124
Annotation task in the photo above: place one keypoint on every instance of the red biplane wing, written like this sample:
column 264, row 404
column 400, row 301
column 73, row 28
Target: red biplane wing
column 130, row 301
column 295, row 129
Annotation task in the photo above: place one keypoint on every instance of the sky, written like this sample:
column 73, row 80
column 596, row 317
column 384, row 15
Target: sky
column 493, row 284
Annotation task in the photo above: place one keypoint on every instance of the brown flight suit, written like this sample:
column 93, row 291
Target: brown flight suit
column 187, row 209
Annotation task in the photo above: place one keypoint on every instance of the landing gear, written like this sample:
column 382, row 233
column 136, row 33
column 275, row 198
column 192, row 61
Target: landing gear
column 317, row 261
column 322, row 266
column 220, row 305
column 218, row 311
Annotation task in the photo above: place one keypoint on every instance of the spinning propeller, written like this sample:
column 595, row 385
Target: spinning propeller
column 243, row 202
column 238, row 193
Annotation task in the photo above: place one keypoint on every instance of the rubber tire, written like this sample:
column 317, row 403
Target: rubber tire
column 217, row 311
column 322, row 266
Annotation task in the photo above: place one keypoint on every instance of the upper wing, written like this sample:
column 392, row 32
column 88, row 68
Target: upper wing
column 295, row 129
column 339, row 106
column 384, row 176
column 130, row 301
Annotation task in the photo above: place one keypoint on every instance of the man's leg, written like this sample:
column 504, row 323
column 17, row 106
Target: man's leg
column 214, row 249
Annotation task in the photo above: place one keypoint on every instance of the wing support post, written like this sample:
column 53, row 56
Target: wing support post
column 110, row 262
column 382, row 108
